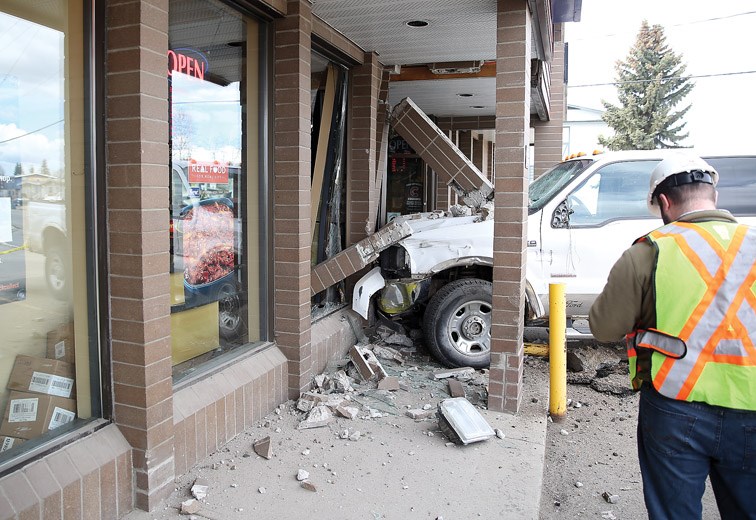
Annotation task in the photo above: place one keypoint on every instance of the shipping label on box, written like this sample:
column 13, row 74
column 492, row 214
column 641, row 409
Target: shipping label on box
column 42, row 375
column 7, row 443
column 60, row 343
column 30, row 415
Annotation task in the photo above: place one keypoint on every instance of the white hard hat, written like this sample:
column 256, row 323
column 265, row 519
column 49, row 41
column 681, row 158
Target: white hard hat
column 697, row 169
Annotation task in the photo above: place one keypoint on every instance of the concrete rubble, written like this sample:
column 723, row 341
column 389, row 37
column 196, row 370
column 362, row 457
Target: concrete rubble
column 376, row 382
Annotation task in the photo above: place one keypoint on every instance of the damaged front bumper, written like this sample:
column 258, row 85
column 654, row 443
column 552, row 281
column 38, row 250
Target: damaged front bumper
column 397, row 296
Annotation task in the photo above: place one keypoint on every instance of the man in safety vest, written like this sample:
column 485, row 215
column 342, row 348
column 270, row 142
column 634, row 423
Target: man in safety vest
column 684, row 297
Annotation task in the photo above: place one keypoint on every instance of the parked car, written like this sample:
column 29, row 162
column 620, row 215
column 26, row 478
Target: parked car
column 582, row 214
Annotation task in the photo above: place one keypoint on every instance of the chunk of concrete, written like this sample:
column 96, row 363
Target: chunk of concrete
column 366, row 363
column 348, row 412
column 390, row 383
column 419, row 414
column 318, row 417
column 190, row 507
column 456, row 389
column 263, row 448
column 454, row 372
column 199, row 488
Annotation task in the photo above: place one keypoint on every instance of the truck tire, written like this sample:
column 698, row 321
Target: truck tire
column 229, row 312
column 457, row 323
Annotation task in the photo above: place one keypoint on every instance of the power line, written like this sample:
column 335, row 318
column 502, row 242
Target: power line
column 32, row 132
column 615, row 83
column 683, row 24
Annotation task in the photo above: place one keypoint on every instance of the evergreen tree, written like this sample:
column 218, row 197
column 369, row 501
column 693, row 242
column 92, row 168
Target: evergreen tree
column 650, row 83
column 18, row 170
column 44, row 169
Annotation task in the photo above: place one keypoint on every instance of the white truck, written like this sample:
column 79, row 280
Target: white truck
column 45, row 232
column 583, row 214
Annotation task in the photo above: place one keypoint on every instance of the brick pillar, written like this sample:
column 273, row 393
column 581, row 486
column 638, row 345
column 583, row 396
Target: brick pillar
column 548, row 134
column 291, row 185
column 363, row 139
column 137, row 182
column 512, row 129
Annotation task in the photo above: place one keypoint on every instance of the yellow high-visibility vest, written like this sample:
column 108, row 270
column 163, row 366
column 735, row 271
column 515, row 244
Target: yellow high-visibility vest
column 705, row 291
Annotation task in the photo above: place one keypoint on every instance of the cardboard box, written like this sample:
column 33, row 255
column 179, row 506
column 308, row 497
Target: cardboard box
column 30, row 415
column 7, row 443
column 60, row 343
column 42, row 376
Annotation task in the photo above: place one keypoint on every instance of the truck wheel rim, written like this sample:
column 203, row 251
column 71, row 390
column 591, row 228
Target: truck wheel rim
column 469, row 328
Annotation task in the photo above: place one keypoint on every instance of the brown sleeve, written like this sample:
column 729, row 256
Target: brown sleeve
column 627, row 299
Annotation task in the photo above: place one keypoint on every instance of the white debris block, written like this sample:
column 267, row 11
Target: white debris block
column 199, row 488
column 419, row 414
column 334, row 401
column 455, row 372
column 339, row 382
column 302, row 475
column 190, row 507
column 318, row 416
column 320, row 380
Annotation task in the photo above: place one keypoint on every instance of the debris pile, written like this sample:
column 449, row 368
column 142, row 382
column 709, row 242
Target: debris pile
column 386, row 376
column 603, row 368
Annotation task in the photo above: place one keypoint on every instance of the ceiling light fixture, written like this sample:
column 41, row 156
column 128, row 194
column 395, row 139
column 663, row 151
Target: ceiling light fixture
column 416, row 23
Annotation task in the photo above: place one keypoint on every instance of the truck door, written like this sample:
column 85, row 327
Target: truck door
column 604, row 214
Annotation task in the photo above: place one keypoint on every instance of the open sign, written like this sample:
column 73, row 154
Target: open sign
column 191, row 66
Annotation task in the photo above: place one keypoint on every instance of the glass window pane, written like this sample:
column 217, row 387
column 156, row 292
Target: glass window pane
column 616, row 191
column 44, row 360
column 212, row 72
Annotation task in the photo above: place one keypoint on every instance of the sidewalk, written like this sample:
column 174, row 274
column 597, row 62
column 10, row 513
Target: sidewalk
column 397, row 468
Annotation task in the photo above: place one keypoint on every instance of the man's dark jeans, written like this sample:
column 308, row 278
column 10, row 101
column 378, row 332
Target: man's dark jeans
column 680, row 443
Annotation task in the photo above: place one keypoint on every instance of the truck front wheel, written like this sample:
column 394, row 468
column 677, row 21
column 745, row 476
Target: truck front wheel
column 457, row 323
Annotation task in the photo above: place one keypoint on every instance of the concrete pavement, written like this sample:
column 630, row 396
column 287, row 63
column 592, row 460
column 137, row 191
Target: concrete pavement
column 395, row 468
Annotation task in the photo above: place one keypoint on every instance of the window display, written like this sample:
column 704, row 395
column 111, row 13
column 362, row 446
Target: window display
column 212, row 72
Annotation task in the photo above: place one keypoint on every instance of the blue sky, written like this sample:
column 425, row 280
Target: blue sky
column 715, row 40
column 30, row 94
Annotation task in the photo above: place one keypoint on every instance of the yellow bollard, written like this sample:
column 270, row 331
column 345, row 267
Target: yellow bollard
column 557, row 352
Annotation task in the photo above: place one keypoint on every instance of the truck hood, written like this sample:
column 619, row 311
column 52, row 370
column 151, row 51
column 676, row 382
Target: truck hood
column 439, row 242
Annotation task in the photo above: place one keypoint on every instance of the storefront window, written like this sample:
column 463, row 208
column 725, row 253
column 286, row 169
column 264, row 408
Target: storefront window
column 215, row 198
column 329, row 108
column 45, row 379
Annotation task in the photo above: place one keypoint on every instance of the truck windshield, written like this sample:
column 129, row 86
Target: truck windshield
column 547, row 185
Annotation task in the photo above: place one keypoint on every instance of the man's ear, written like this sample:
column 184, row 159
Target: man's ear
column 664, row 202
